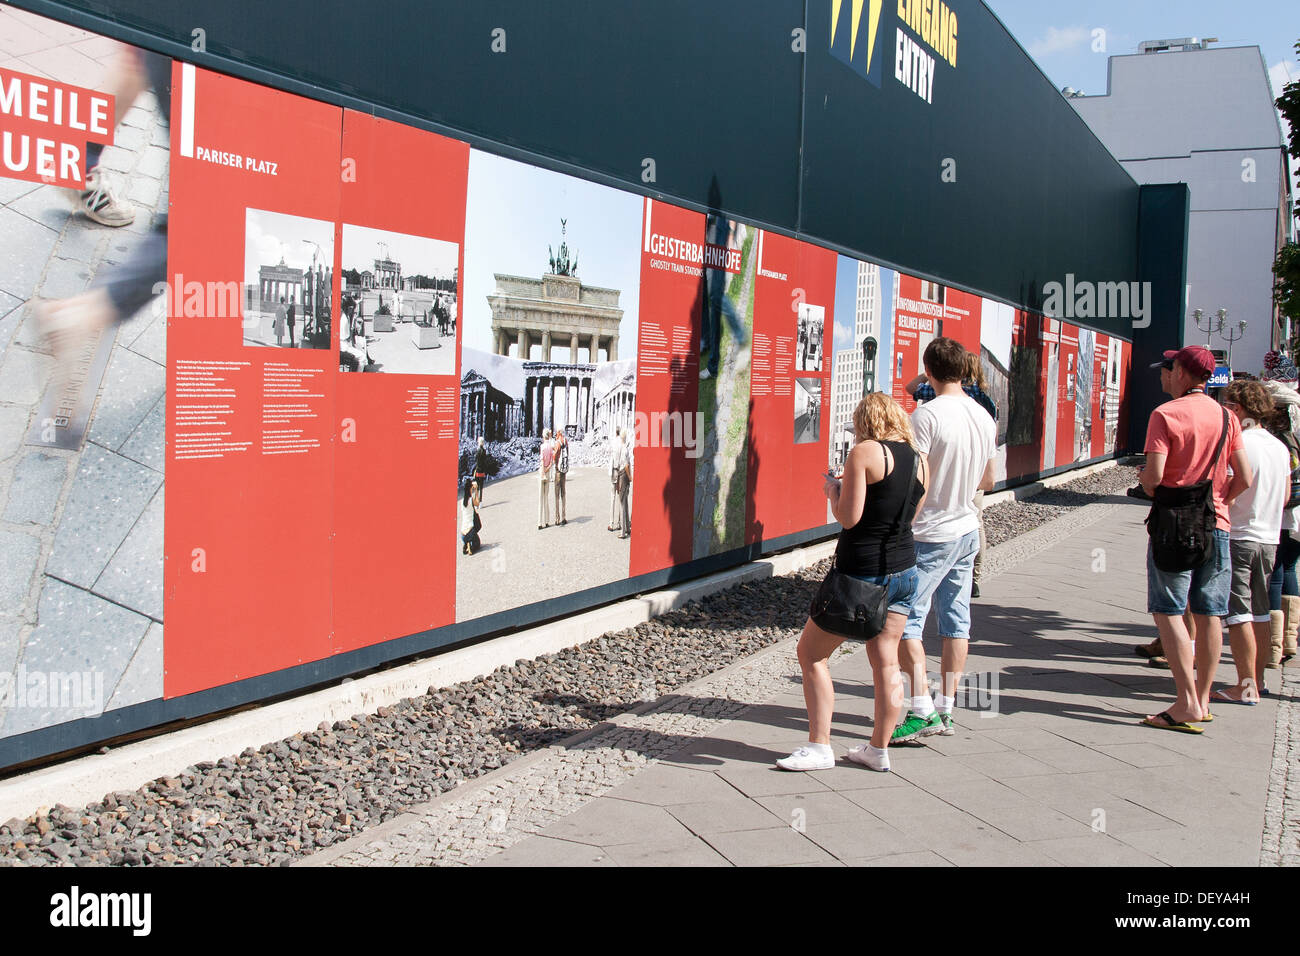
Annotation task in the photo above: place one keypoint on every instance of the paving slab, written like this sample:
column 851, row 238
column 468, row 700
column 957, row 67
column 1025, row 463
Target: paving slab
column 109, row 494
column 133, row 386
column 613, row 821
column 24, row 374
column 723, row 816
column 862, row 835
column 34, row 493
column 1096, row 849
column 134, row 576
column 143, row 678
column 778, row 847
column 692, row 852
column 81, row 636
column 27, row 246
column 922, row 858
column 147, row 444
column 661, row 786
column 546, row 851
column 19, row 555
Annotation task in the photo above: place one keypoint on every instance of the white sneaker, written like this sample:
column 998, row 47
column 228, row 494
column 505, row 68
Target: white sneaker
column 805, row 758
column 863, row 755
column 100, row 203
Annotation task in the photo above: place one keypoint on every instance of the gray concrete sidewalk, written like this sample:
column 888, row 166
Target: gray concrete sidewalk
column 81, row 532
column 1060, row 772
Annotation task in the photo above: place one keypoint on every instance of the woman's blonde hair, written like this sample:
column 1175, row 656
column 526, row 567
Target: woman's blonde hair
column 878, row 417
column 974, row 372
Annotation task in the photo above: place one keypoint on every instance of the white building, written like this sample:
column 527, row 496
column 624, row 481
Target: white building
column 1180, row 111
column 846, row 375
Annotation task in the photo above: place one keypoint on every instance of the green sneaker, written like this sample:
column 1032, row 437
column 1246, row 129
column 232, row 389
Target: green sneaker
column 948, row 727
column 916, row 726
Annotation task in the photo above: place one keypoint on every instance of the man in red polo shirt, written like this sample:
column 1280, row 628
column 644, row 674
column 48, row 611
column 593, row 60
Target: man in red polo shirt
column 1182, row 439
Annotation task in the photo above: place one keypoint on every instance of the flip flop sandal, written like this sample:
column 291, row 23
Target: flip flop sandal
column 1165, row 722
column 1160, row 661
column 1222, row 697
column 1207, row 719
column 1144, row 650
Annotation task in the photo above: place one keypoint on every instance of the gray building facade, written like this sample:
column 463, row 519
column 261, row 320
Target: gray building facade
column 1205, row 117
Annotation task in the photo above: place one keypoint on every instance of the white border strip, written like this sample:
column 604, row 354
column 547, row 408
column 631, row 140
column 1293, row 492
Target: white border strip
column 187, row 110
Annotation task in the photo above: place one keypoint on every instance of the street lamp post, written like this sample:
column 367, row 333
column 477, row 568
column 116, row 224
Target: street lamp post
column 1241, row 330
column 1213, row 324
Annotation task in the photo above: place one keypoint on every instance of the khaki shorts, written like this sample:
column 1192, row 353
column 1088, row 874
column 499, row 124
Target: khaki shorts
column 1252, row 565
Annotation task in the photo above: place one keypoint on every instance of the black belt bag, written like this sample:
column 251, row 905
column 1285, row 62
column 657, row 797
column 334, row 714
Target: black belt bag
column 849, row 606
column 1182, row 520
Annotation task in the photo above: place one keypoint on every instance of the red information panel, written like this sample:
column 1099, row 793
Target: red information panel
column 918, row 321
column 668, row 373
column 961, row 318
column 400, row 248
column 790, row 404
column 1067, row 387
column 250, row 380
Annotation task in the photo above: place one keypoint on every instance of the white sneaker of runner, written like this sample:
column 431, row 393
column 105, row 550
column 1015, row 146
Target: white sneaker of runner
column 100, row 203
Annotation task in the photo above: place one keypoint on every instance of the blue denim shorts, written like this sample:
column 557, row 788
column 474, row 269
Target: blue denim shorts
column 901, row 585
column 1206, row 588
column 944, row 572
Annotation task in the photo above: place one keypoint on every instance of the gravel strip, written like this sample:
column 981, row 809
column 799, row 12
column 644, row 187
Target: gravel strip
column 292, row 798
column 1007, row 519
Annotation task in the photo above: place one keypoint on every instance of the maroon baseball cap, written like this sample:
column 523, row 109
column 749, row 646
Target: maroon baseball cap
column 1167, row 361
column 1197, row 359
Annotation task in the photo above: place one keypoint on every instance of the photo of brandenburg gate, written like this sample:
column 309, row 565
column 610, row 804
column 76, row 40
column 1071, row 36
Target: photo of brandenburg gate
column 550, row 311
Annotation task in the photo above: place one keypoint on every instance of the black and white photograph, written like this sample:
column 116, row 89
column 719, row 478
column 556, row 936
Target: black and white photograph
column 288, row 280
column 808, row 342
column 1083, row 392
column 548, row 386
column 807, row 410
column 399, row 303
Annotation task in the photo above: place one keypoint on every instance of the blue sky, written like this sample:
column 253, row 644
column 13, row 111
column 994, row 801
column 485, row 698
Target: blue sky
column 846, row 303
column 1059, row 36
column 513, row 213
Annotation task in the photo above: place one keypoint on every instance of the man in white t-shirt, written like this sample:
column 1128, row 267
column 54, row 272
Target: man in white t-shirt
column 1256, row 518
column 959, row 440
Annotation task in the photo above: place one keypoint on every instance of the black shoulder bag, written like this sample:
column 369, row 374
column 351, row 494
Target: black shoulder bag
column 1182, row 520
column 849, row 606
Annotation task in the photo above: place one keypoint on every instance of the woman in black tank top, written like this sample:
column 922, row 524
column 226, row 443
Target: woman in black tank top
column 875, row 503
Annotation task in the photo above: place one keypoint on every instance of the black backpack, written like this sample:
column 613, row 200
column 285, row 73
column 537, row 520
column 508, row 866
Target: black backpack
column 1182, row 520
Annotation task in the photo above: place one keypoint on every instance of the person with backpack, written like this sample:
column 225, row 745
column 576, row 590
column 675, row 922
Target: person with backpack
column 1190, row 442
column 1256, row 516
column 1283, row 587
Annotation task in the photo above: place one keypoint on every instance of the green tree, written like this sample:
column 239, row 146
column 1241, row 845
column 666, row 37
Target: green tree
column 1286, row 267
